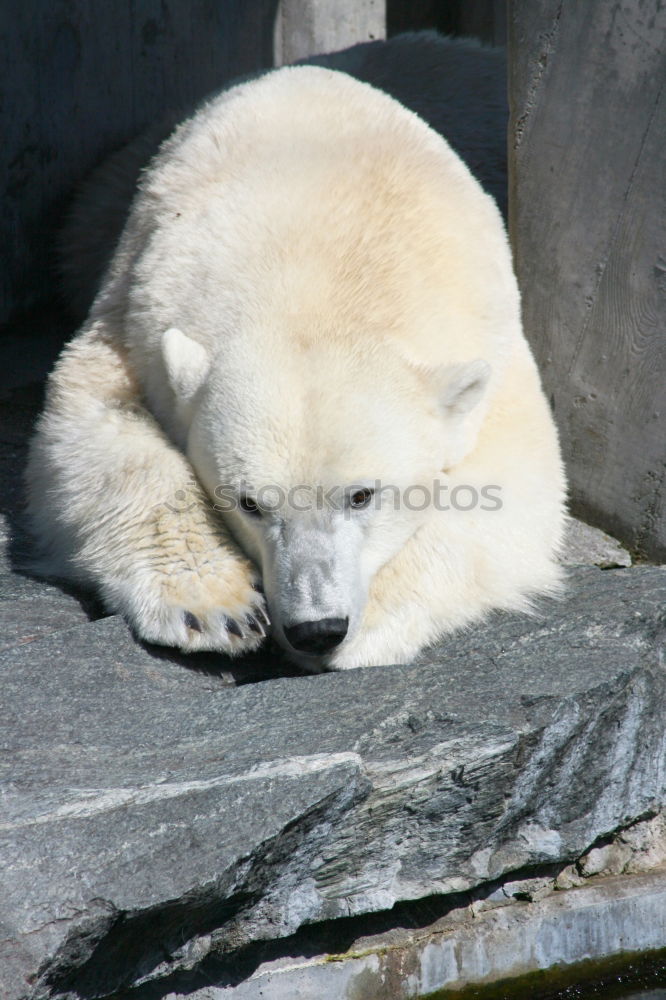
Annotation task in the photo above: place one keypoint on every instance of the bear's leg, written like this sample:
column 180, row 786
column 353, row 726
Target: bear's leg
column 449, row 575
column 114, row 505
column 395, row 637
column 425, row 591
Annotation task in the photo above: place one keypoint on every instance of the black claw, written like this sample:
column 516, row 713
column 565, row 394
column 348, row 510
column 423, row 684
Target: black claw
column 252, row 622
column 232, row 626
column 262, row 614
column 192, row 622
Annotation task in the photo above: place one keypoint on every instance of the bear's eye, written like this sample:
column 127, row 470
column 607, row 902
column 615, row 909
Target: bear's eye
column 249, row 505
column 361, row 498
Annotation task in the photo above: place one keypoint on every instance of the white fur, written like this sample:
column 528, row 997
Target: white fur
column 311, row 289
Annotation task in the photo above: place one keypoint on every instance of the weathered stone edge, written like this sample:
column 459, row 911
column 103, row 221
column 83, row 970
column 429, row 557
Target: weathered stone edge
column 606, row 917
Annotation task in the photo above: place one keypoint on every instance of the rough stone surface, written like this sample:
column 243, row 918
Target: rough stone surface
column 639, row 848
column 156, row 816
column 30, row 609
column 588, row 546
column 606, row 918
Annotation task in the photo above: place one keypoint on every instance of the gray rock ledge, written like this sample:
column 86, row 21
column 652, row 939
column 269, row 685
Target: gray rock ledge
column 588, row 546
column 608, row 918
column 154, row 816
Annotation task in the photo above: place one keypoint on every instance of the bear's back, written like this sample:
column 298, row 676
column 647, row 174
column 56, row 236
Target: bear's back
column 310, row 201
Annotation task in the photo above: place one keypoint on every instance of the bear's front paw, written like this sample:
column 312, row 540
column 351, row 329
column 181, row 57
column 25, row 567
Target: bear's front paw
column 197, row 614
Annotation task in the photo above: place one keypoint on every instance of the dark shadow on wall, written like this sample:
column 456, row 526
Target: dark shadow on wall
column 482, row 19
column 81, row 78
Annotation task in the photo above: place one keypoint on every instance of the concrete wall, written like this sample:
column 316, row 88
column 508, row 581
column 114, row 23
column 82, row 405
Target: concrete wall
column 587, row 167
column 80, row 77
column 306, row 27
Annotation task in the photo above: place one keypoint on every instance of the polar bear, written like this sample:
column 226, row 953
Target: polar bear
column 302, row 400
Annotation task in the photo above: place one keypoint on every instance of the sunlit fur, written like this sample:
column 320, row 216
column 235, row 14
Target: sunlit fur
column 310, row 289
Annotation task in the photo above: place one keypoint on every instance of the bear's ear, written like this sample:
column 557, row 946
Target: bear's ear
column 186, row 362
column 461, row 387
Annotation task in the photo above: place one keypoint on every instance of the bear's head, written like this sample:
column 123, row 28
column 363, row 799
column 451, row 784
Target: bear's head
column 310, row 450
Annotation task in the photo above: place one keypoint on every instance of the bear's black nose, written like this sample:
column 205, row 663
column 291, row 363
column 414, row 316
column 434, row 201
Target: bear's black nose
column 319, row 636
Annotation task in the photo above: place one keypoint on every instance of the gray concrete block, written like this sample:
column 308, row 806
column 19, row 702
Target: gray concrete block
column 305, row 27
column 587, row 160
